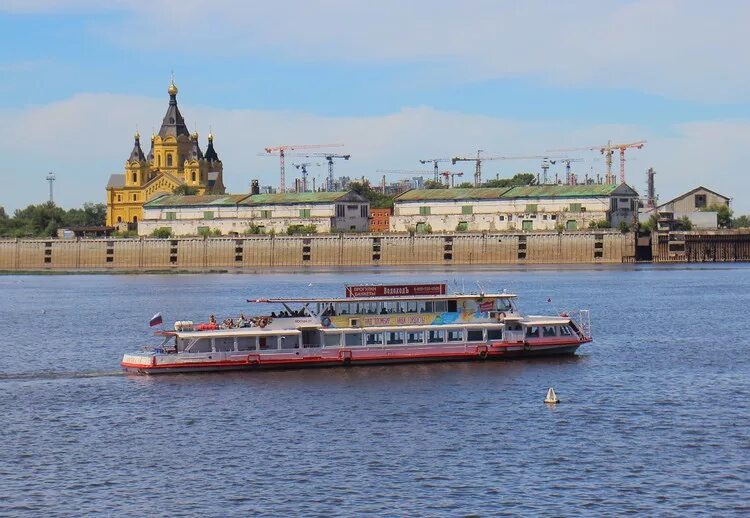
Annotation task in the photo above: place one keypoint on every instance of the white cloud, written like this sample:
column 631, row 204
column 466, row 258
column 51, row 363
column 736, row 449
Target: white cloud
column 686, row 49
column 87, row 137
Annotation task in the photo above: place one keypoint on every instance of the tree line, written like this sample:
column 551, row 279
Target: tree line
column 44, row 219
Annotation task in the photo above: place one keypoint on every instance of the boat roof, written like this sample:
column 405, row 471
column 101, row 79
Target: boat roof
column 388, row 298
column 540, row 320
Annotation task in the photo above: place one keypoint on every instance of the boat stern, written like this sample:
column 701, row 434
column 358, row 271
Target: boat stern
column 139, row 362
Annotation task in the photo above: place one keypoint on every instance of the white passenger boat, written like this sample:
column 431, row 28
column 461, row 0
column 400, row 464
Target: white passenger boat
column 372, row 324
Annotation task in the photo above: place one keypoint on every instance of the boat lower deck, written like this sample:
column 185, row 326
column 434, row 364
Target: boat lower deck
column 158, row 363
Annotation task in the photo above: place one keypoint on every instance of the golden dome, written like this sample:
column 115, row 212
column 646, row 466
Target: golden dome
column 137, row 135
column 172, row 90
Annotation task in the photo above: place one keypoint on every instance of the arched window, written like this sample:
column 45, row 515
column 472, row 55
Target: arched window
column 135, row 177
column 135, row 219
column 119, row 219
column 193, row 176
column 169, row 159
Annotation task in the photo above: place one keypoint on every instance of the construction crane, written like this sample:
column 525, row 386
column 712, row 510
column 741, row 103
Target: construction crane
column 435, row 162
column 303, row 167
column 568, row 174
column 329, row 158
column 283, row 149
column 448, row 174
column 479, row 159
column 608, row 150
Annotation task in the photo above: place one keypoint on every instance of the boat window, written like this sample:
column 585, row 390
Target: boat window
column 532, row 332
column 224, row 344
column 427, row 306
column 289, row 342
column 503, row 305
column 565, row 331
column 474, row 335
column 368, row 308
column 452, row 306
column 394, row 337
column 246, row 343
column 436, row 336
column 440, row 306
column 456, row 335
column 548, row 331
column 333, row 339
column 267, row 343
column 374, row 338
column 353, row 339
column 202, row 345
column 342, row 308
column 415, row 337
column 182, row 343
column 411, row 306
column 494, row 334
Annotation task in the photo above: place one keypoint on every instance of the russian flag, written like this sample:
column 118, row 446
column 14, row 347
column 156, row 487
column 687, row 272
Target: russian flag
column 155, row 320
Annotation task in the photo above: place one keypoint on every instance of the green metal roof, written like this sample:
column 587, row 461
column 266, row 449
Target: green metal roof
column 291, row 198
column 523, row 191
column 451, row 194
column 214, row 200
column 560, row 191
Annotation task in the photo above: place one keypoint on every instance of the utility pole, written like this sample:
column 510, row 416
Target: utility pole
column 51, row 180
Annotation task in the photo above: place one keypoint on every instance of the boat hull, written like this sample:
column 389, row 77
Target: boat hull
column 183, row 363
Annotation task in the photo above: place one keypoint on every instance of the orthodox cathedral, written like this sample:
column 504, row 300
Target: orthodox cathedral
column 174, row 160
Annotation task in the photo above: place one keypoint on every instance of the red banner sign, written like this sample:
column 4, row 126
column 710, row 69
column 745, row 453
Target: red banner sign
column 393, row 290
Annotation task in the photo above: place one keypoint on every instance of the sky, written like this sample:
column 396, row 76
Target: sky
column 394, row 81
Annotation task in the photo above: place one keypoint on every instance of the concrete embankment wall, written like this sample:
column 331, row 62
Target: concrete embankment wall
column 701, row 246
column 320, row 250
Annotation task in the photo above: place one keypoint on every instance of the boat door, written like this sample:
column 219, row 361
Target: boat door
column 513, row 332
column 311, row 338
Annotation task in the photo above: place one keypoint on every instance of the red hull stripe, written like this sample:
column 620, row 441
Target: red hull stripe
column 499, row 351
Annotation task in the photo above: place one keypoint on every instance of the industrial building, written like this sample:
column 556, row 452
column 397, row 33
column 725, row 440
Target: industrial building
column 692, row 205
column 235, row 214
column 528, row 208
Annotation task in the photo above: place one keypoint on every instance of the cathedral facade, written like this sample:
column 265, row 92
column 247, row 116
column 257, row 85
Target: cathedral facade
column 174, row 161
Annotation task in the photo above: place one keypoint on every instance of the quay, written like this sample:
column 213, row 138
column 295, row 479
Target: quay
column 238, row 253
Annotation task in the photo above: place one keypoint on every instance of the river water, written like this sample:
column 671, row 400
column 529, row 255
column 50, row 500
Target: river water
column 654, row 419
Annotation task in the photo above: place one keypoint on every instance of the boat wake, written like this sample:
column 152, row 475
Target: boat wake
column 54, row 375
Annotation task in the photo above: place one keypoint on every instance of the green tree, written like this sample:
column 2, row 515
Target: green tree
column 723, row 213
column 377, row 199
column 185, row 190
column 432, row 184
column 739, row 222
column 683, row 223
column 294, row 230
column 91, row 215
column 162, row 232
column 518, row 179
column 465, row 185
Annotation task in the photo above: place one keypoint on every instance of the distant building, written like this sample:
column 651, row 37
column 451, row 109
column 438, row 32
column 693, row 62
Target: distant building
column 697, row 199
column 175, row 159
column 233, row 214
column 691, row 205
column 380, row 220
column 530, row 208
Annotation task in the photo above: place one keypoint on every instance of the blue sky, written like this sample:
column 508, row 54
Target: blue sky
column 394, row 83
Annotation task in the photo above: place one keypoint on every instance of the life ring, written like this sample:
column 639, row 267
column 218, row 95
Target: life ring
column 262, row 322
column 325, row 321
column 482, row 355
column 501, row 315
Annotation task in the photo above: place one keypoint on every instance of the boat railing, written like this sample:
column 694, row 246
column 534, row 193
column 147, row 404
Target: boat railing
column 582, row 320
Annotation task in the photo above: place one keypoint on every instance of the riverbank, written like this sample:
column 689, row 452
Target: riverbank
column 261, row 253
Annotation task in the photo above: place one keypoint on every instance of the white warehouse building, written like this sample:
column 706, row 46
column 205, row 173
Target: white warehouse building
column 234, row 214
column 528, row 208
